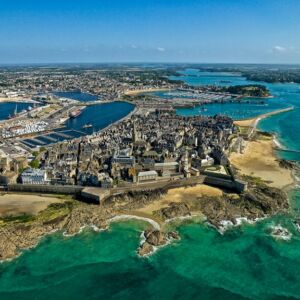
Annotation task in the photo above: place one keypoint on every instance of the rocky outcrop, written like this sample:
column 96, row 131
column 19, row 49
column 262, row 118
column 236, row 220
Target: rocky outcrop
column 288, row 164
column 156, row 238
column 174, row 210
column 258, row 202
column 14, row 237
column 145, row 249
column 134, row 200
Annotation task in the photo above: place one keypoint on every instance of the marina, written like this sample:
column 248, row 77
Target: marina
column 92, row 118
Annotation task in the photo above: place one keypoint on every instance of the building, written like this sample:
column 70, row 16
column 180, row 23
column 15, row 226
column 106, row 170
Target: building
column 105, row 181
column 124, row 158
column 34, row 176
column 147, row 176
column 167, row 168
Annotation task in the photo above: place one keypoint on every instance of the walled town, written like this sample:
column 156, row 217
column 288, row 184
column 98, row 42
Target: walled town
column 151, row 145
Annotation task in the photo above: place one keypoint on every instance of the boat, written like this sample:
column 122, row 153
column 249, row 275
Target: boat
column 75, row 113
column 85, row 126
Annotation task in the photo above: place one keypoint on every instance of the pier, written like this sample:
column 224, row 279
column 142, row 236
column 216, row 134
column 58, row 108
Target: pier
column 49, row 138
column 253, row 127
column 63, row 135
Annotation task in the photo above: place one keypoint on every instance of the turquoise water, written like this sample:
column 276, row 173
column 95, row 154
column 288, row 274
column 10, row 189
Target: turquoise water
column 244, row 263
column 286, row 126
column 236, row 111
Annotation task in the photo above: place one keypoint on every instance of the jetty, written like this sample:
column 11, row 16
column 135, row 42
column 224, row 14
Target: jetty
column 253, row 127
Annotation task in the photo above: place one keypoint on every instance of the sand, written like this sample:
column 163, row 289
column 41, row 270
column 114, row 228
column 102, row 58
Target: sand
column 181, row 194
column 245, row 123
column 259, row 160
column 18, row 204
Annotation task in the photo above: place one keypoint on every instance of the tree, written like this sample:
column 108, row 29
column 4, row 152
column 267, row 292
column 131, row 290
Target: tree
column 35, row 153
column 34, row 164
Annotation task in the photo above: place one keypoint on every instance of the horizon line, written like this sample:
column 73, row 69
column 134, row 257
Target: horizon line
column 145, row 62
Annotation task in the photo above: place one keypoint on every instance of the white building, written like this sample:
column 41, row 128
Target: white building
column 34, row 176
column 147, row 176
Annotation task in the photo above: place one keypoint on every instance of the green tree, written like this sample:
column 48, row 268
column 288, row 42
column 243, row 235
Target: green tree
column 35, row 153
column 34, row 164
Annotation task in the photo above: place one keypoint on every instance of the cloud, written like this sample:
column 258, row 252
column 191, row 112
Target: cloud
column 160, row 49
column 133, row 46
column 279, row 49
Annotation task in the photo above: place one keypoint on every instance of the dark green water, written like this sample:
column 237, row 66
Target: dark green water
column 244, row 263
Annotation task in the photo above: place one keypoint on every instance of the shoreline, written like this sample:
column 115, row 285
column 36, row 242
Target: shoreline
column 246, row 122
column 162, row 211
column 266, row 157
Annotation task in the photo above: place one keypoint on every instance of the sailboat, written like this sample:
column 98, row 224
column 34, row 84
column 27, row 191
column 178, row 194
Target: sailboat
column 14, row 113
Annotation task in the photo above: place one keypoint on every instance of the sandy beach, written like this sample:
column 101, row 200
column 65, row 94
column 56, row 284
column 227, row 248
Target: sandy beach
column 182, row 194
column 259, row 160
column 246, row 123
column 18, row 204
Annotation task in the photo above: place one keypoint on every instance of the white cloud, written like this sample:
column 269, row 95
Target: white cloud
column 160, row 49
column 279, row 49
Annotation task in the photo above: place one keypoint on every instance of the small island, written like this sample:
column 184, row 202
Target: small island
column 248, row 90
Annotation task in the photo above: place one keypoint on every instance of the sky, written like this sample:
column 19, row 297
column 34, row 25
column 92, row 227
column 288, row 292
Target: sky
column 202, row 31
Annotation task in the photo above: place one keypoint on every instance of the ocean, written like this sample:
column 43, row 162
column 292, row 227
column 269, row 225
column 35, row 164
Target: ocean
column 244, row 263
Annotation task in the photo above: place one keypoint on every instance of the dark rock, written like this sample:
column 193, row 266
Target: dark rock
column 288, row 164
column 155, row 237
column 174, row 210
column 145, row 249
column 173, row 235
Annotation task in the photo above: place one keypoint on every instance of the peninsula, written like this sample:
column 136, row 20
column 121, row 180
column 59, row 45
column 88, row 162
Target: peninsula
column 152, row 164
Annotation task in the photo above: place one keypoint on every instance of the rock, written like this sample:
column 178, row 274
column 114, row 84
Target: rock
column 287, row 164
column 173, row 235
column 155, row 237
column 281, row 233
column 145, row 249
column 297, row 224
column 174, row 210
